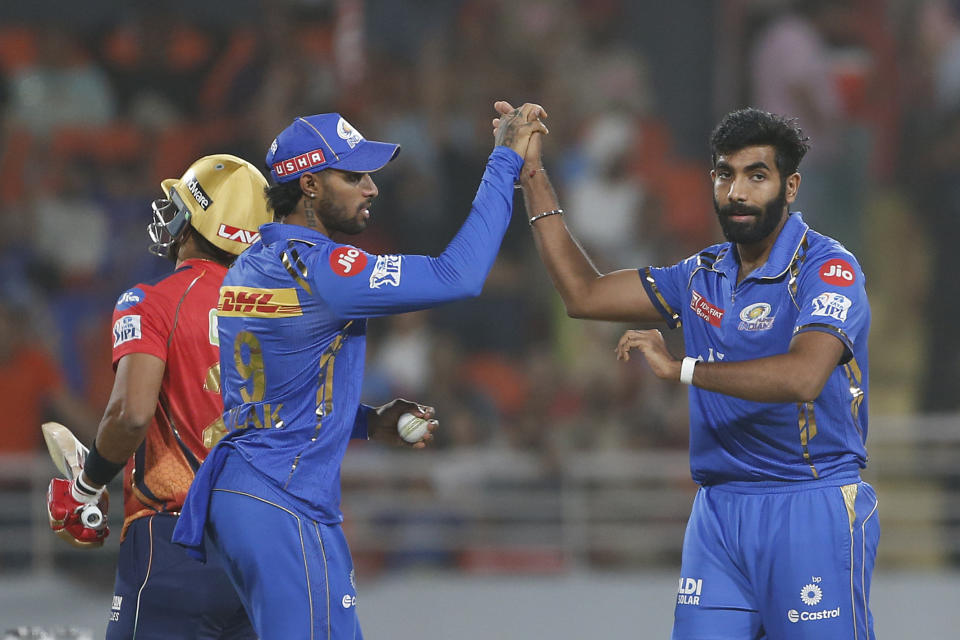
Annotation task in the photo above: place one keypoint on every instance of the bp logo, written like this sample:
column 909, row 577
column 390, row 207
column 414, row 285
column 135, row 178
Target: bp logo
column 811, row 595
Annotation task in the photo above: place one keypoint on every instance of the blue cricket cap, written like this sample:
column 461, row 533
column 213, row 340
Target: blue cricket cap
column 325, row 141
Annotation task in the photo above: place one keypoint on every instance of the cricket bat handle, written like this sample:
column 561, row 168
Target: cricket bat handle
column 91, row 516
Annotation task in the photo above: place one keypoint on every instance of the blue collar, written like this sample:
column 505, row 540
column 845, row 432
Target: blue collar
column 784, row 250
column 278, row 232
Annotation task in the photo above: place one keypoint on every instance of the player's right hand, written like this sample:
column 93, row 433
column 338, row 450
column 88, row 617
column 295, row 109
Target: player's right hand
column 65, row 511
column 514, row 128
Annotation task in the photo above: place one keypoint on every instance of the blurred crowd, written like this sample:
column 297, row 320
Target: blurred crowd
column 95, row 116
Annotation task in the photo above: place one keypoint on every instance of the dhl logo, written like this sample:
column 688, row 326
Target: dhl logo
column 258, row 303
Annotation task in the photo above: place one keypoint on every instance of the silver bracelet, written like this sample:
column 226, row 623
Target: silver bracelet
column 553, row 212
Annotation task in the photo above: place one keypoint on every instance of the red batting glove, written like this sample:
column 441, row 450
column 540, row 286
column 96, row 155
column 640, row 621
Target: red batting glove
column 66, row 511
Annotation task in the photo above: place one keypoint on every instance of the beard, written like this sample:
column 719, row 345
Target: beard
column 765, row 219
column 336, row 218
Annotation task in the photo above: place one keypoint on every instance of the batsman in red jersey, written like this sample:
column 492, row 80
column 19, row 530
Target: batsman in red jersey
column 164, row 413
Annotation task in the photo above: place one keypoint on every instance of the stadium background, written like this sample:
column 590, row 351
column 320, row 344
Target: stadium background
column 553, row 504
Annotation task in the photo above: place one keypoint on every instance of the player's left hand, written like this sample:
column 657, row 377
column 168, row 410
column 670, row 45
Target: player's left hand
column 382, row 424
column 651, row 344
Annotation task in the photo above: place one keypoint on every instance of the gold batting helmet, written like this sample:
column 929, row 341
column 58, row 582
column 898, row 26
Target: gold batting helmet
column 221, row 196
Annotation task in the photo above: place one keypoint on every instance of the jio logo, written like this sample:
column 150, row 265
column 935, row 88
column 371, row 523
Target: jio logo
column 838, row 273
column 347, row 261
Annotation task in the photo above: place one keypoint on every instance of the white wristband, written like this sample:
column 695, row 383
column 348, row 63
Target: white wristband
column 82, row 492
column 686, row 370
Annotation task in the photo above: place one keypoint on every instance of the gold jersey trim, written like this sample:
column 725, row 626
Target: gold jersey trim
column 294, row 265
column 250, row 302
column 808, row 430
column 324, row 390
column 849, row 492
column 794, row 269
column 648, row 276
column 854, row 377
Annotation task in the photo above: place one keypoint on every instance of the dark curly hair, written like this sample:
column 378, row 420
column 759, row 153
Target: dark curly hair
column 283, row 198
column 754, row 127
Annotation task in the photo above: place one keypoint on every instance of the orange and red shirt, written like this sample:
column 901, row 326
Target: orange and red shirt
column 175, row 319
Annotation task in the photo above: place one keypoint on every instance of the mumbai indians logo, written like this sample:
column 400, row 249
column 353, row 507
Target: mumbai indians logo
column 348, row 133
column 756, row 317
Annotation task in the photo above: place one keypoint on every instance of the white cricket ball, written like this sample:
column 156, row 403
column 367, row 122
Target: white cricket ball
column 411, row 428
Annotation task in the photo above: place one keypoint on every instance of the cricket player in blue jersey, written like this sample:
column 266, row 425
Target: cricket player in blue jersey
column 292, row 330
column 783, row 534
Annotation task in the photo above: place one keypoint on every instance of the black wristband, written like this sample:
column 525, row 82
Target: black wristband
column 98, row 468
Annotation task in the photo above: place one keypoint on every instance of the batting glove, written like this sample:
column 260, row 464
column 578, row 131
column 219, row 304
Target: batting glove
column 76, row 515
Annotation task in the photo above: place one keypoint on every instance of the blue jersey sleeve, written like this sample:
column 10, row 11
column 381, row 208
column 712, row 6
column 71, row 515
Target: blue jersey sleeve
column 355, row 284
column 360, row 431
column 667, row 289
column 832, row 297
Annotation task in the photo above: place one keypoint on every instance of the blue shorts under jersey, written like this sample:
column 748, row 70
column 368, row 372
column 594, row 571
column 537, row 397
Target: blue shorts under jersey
column 778, row 564
column 307, row 590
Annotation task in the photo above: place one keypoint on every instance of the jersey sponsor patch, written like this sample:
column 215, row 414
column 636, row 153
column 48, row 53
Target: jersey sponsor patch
column 130, row 298
column 126, row 329
column 347, row 261
column 756, row 317
column 689, row 591
column 258, row 303
column 832, row 305
column 705, row 309
column 386, row 272
column 837, row 272
column 302, row 162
